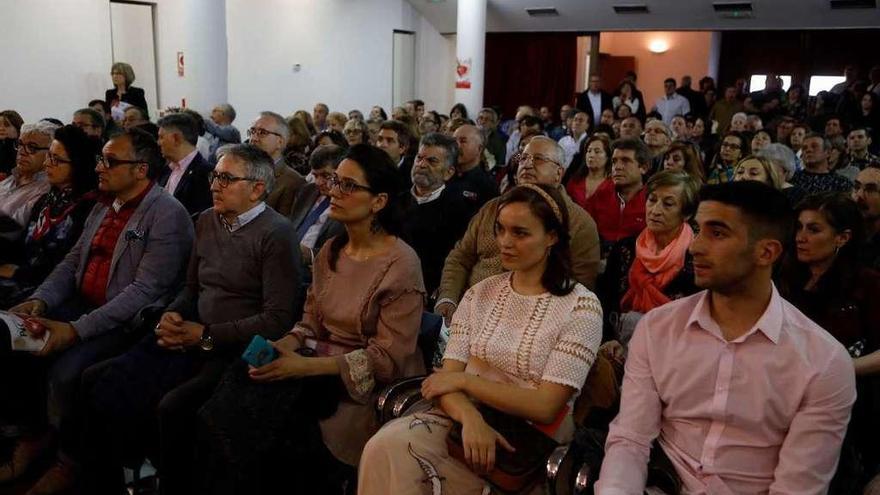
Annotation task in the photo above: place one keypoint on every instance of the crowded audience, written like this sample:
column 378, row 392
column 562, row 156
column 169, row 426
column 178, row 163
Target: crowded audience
column 232, row 306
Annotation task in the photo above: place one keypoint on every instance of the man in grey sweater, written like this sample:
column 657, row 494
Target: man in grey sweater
column 243, row 280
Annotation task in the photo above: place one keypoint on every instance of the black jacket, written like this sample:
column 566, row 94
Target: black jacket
column 193, row 190
column 584, row 105
column 432, row 229
column 133, row 96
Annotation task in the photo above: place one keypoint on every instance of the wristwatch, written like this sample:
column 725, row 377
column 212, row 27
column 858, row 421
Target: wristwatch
column 207, row 341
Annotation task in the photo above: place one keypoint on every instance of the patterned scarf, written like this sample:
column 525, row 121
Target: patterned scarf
column 57, row 206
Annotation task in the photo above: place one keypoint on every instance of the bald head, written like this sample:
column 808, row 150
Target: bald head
column 470, row 144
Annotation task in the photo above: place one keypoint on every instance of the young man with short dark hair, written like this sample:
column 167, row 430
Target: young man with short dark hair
column 740, row 390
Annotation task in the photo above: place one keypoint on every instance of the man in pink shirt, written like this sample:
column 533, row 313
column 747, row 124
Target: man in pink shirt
column 743, row 393
column 187, row 175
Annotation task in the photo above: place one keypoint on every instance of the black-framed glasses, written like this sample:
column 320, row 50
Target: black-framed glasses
column 109, row 162
column 260, row 132
column 536, row 159
column 347, row 186
column 30, row 148
column 55, row 160
column 225, row 179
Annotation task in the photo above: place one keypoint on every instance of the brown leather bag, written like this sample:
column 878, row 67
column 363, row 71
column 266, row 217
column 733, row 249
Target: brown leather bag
column 514, row 471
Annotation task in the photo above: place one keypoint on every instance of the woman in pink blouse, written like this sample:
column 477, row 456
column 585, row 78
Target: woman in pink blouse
column 521, row 343
column 298, row 424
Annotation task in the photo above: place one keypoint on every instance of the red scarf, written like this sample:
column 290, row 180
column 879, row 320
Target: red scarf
column 652, row 271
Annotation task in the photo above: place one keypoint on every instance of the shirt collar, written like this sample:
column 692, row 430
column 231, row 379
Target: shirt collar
column 430, row 197
column 770, row 323
column 244, row 218
column 184, row 162
column 118, row 204
column 17, row 182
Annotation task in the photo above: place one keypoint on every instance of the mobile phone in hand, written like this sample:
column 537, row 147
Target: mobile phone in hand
column 259, row 352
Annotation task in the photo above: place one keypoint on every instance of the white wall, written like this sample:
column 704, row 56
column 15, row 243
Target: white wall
column 198, row 29
column 57, row 54
column 344, row 48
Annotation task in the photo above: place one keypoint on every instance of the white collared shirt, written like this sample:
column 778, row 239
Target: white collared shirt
column 430, row 197
column 596, row 103
column 178, row 169
column 243, row 219
column 311, row 235
column 670, row 106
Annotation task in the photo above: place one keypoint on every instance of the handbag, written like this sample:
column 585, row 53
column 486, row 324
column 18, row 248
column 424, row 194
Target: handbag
column 514, row 471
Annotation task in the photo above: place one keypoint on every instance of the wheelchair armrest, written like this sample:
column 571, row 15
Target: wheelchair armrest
column 554, row 462
column 584, row 478
column 396, row 398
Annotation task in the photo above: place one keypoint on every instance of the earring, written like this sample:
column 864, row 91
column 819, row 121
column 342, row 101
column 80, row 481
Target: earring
column 375, row 226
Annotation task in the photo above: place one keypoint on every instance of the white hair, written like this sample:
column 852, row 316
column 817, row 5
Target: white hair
column 557, row 149
column 43, row 127
column 781, row 155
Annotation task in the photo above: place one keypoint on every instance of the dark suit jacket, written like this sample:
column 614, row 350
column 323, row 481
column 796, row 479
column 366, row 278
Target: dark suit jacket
column 302, row 205
column 133, row 96
column 288, row 182
column 193, row 190
column 405, row 170
column 584, row 105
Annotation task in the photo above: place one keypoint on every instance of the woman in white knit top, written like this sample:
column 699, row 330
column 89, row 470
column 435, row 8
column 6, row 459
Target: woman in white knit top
column 521, row 342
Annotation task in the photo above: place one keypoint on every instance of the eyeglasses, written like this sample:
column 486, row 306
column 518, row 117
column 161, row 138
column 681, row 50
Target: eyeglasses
column 109, row 162
column 866, row 188
column 55, row 160
column 347, row 186
column 260, row 132
column 225, row 179
column 30, row 148
column 536, row 159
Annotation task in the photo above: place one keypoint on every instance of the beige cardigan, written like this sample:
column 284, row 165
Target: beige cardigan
column 476, row 257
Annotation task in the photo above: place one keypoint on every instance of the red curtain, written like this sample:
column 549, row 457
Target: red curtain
column 530, row 69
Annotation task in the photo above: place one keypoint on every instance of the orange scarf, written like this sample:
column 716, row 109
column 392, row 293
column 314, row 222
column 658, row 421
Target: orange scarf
column 652, row 271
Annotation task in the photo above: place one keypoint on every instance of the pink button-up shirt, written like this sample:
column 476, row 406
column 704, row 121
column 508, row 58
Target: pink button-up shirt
column 765, row 413
column 177, row 171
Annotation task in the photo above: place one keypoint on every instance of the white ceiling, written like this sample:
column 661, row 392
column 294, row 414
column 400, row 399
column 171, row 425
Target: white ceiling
column 598, row 15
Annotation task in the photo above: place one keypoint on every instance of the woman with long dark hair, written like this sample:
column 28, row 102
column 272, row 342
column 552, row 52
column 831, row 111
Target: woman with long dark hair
column 521, row 345
column 298, row 424
column 592, row 167
column 58, row 216
column 824, row 279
